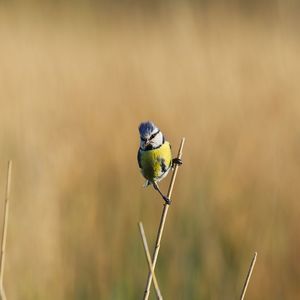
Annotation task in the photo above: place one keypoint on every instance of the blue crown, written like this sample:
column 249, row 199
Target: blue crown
column 146, row 128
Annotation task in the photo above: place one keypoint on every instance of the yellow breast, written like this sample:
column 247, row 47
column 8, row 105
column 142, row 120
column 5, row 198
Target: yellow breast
column 154, row 163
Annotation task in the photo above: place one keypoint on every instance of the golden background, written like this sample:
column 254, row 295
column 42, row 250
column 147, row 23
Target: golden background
column 77, row 78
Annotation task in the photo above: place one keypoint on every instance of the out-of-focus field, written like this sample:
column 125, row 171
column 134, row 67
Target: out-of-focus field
column 74, row 85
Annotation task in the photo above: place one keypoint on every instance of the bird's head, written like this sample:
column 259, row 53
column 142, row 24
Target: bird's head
column 150, row 136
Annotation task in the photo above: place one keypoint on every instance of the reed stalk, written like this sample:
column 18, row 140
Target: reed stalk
column 162, row 224
column 248, row 276
column 148, row 257
column 4, row 229
column 2, row 294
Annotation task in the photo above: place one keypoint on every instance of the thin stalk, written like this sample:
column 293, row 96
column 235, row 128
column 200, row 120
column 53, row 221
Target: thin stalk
column 4, row 229
column 162, row 224
column 248, row 276
column 148, row 257
column 2, row 294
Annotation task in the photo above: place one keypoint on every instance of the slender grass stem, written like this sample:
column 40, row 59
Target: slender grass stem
column 148, row 257
column 2, row 294
column 248, row 276
column 162, row 224
column 4, row 230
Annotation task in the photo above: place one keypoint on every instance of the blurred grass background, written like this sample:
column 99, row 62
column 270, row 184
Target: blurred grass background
column 77, row 77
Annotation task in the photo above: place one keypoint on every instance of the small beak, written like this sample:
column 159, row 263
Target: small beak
column 147, row 143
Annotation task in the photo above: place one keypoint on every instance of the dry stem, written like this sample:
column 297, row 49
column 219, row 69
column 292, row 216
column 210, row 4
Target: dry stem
column 2, row 294
column 4, row 230
column 248, row 276
column 162, row 224
column 148, row 257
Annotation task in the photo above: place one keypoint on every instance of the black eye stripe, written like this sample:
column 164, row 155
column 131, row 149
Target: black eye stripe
column 154, row 135
column 151, row 137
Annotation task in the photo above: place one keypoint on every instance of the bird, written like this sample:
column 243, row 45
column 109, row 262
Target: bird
column 155, row 156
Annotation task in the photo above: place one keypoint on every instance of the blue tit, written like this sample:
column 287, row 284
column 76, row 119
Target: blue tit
column 154, row 156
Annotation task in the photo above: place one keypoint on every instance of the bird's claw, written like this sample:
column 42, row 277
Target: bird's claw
column 176, row 161
column 167, row 200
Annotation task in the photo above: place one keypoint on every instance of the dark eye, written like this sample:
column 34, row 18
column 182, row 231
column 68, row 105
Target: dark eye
column 143, row 139
column 153, row 135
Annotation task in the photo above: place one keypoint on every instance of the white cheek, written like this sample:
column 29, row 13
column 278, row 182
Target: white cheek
column 157, row 141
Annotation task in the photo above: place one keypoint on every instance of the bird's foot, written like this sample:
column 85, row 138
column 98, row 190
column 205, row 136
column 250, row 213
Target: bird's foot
column 176, row 161
column 167, row 200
